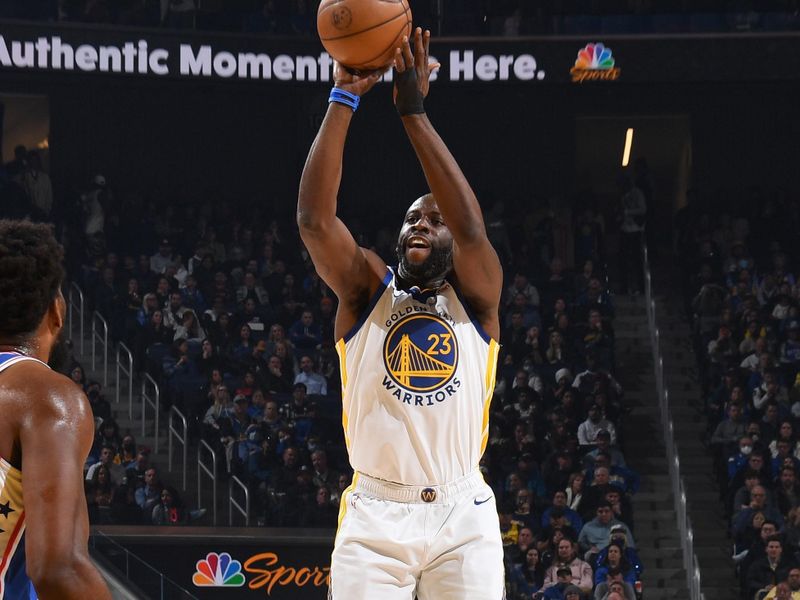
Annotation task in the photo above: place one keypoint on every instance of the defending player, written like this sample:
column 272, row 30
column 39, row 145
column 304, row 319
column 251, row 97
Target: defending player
column 418, row 352
column 46, row 431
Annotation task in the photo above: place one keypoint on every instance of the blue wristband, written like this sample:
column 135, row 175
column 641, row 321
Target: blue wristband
column 341, row 96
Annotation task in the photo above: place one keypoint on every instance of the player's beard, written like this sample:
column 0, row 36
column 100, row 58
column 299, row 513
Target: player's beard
column 59, row 353
column 429, row 273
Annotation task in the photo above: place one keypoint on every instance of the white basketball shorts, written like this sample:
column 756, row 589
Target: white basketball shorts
column 399, row 542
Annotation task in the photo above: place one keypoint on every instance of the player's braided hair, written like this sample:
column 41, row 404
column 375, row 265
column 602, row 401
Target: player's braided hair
column 30, row 275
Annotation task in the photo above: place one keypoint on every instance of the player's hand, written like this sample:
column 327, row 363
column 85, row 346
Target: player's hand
column 413, row 73
column 356, row 83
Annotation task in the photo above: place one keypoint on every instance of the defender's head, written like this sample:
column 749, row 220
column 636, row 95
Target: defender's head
column 425, row 244
column 32, row 307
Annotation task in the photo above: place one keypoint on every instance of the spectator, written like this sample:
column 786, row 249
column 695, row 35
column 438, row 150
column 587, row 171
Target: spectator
column 163, row 258
column 170, row 510
column 615, row 560
column 107, row 455
column 596, row 534
column 580, row 571
column 322, row 514
column 99, row 494
column 768, row 571
column 148, row 495
column 528, row 578
column 314, row 382
column 305, row 334
column 594, row 424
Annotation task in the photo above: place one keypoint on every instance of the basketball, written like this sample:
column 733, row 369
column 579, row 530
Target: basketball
column 363, row 34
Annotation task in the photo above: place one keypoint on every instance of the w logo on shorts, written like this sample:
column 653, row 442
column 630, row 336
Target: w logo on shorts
column 421, row 353
column 428, row 495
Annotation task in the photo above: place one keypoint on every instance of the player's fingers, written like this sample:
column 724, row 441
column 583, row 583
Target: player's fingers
column 407, row 54
column 399, row 62
column 427, row 42
column 419, row 47
column 433, row 66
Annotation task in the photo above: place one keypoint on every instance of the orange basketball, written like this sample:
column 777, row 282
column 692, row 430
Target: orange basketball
column 363, row 34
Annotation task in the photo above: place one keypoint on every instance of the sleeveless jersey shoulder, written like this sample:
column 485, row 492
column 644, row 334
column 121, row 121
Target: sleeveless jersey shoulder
column 14, row 580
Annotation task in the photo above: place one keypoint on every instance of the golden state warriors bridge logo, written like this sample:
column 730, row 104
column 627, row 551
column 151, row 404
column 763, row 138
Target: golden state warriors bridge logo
column 421, row 355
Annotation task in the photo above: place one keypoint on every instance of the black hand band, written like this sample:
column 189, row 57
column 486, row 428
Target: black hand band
column 410, row 100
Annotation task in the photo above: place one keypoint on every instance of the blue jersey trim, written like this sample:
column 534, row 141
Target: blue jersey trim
column 475, row 323
column 370, row 307
column 17, row 584
column 6, row 356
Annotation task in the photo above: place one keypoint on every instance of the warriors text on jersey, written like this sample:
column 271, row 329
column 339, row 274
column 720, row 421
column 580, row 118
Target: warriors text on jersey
column 417, row 374
column 14, row 581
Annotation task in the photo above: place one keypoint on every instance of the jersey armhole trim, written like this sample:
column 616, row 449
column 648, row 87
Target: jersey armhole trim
column 370, row 307
column 471, row 314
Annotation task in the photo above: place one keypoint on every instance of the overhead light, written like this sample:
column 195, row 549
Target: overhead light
column 626, row 154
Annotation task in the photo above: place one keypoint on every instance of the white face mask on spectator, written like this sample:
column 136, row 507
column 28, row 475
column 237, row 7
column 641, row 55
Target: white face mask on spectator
column 745, row 449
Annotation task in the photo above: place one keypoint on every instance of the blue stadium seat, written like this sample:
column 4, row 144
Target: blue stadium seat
column 707, row 22
column 669, row 23
column 582, row 24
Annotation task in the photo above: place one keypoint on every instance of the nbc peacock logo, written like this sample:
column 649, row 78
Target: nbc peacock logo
column 595, row 62
column 218, row 570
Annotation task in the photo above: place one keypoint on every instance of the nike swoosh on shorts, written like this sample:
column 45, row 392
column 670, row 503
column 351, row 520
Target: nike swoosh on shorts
column 479, row 502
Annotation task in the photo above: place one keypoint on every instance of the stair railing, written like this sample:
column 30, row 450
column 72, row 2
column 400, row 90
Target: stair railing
column 690, row 563
column 181, row 437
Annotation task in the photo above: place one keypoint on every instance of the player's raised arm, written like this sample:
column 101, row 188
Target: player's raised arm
column 348, row 269
column 477, row 268
column 55, row 439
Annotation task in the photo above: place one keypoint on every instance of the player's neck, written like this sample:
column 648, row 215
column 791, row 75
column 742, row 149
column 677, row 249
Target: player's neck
column 407, row 281
column 27, row 347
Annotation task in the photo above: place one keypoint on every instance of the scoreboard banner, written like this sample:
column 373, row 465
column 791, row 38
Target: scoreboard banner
column 69, row 50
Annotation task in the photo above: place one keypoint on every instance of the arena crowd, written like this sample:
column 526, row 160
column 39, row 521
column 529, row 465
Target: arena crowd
column 223, row 308
column 741, row 296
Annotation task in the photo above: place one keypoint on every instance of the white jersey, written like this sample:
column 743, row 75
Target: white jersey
column 417, row 377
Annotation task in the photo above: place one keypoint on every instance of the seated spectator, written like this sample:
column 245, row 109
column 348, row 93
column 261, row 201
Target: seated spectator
column 148, row 495
column 746, row 555
column 596, row 534
column 563, row 590
column 170, row 510
column 619, row 538
column 323, row 514
column 305, row 334
column 603, row 444
column 124, row 510
column 784, row 458
column 567, row 557
column 514, row 554
column 787, row 590
column 322, row 474
column 314, row 382
column 614, row 588
column 787, row 492
column 107, row 455
column 527, row 578
column 574, row 491
column 739, row 460
column 523, row 512
column 99, row 494
column 615, row 561
column 770, row 570
column 620, row 504
column 594, row 423
column 560, row 503
column 758, row 504
column 190, row 328
column 251, row 288
column 277, row 378
column 101, row 408
column 627, row 479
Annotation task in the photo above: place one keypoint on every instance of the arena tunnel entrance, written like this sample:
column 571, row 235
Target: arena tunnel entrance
column 659, row 156
column 25, row 122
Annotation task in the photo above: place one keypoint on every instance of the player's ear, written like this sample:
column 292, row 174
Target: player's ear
column 56, row 313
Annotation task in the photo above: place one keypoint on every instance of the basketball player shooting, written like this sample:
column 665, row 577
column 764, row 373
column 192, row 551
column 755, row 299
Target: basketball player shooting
column 46, row 431
column 418, row 352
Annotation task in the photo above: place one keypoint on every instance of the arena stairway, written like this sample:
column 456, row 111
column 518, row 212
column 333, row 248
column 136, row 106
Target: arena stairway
column 134, row 426
column 656, row 530
column 713, row 546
